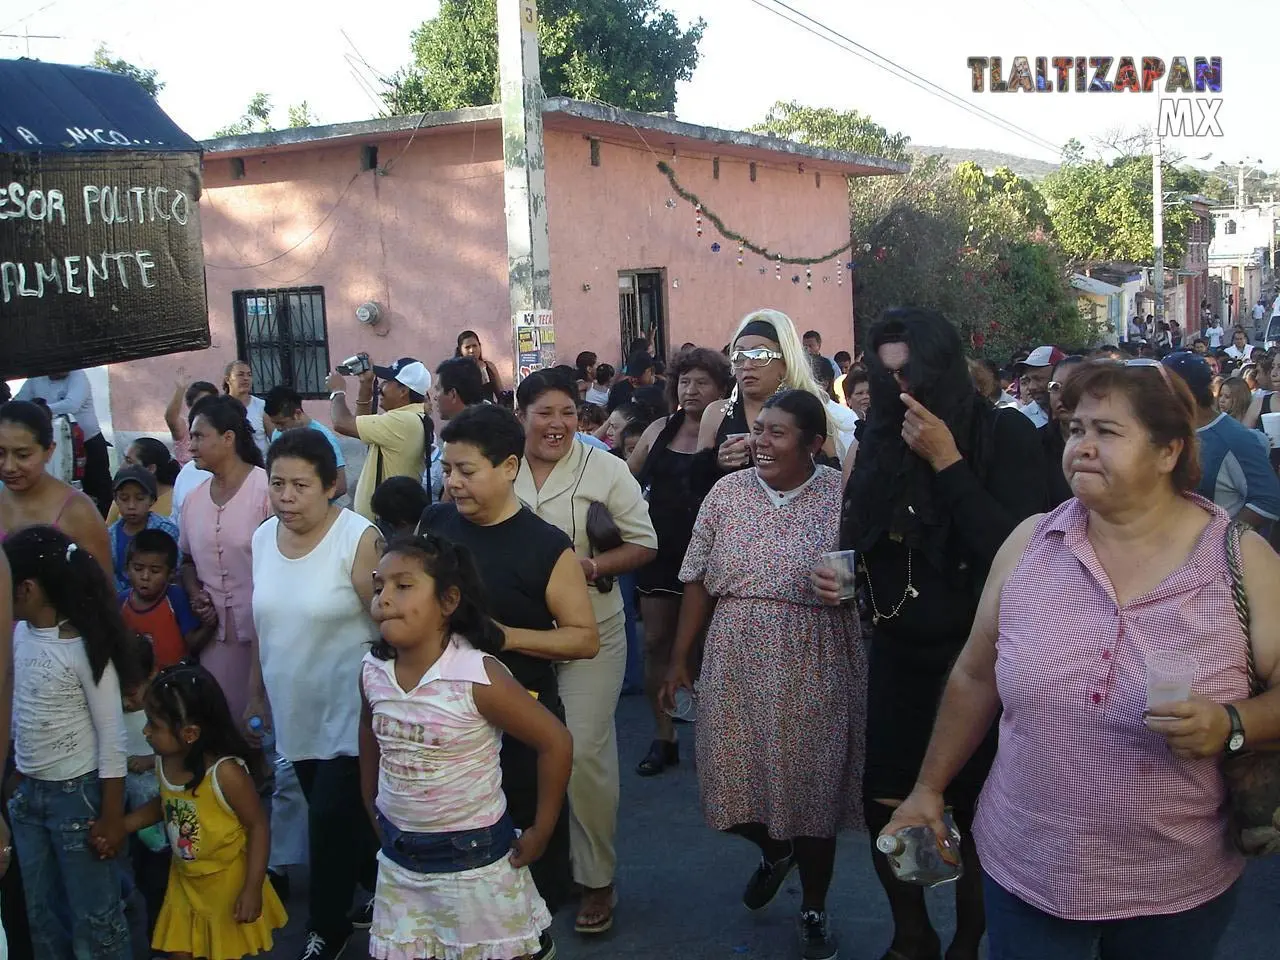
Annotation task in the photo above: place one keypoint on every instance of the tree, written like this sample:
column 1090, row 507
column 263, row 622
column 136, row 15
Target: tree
column 147, row 79
column 257, row 117
column 976, row 247
column 628, row 53
column 1104, row 211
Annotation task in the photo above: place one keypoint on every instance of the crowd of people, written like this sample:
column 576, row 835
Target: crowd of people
column 211, row 651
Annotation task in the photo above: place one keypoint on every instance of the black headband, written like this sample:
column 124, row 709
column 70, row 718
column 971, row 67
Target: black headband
column 758, row 328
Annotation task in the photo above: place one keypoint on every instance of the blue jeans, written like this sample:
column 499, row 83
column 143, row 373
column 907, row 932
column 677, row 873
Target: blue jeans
column 1018, row 931
column 633, row 679
column 73, row 898
column 450, row 852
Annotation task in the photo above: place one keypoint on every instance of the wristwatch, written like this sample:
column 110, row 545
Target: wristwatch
column 1235, row 739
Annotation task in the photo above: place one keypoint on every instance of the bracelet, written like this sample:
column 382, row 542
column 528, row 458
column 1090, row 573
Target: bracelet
column 337, row 393
column 595, row 568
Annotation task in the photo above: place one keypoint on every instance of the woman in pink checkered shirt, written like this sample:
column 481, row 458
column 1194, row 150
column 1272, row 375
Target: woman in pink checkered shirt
column 1101, row 825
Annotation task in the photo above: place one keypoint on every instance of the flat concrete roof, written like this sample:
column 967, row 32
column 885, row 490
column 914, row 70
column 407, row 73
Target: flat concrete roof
column 659, row 133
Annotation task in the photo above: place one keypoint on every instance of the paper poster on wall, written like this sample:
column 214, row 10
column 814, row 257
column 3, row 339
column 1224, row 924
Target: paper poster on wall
column 535, row 342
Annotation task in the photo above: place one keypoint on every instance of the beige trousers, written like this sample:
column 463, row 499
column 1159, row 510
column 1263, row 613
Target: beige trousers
column 589, row 690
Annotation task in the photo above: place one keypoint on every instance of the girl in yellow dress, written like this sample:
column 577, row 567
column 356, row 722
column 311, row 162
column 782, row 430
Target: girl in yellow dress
column 218, row 905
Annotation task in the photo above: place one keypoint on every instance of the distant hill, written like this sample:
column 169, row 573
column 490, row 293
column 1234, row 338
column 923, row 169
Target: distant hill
column 990, row 159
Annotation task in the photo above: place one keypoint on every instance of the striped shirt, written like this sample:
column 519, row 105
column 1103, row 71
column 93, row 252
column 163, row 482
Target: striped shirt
column 1087, row 814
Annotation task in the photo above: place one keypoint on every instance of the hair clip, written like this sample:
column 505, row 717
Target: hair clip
column 72, row 547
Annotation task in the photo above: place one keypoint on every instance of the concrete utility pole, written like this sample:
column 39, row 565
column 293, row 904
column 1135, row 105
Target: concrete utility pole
column 525, row 185
column 1157, row 226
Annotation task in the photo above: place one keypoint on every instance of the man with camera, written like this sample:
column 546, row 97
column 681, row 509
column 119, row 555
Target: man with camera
column 398, row 436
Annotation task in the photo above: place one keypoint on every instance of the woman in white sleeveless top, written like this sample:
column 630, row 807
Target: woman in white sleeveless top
column 313, row 566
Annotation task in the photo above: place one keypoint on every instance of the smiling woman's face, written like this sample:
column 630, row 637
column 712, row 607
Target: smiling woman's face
column 550, row 423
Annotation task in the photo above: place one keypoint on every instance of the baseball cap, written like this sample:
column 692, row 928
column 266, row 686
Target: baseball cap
column 409, row 372
column 136, row 474
column 1192, row 368
column 1045, row 356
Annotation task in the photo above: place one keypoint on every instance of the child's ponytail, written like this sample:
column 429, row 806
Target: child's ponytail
column 77, row 588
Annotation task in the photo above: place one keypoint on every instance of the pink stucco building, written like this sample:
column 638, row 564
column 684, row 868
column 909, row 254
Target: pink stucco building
column 302, row 227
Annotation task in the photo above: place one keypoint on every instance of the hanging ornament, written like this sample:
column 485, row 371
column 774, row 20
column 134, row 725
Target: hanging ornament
column 778, row 267
column 715, row 248
column 839, row 274
column 671, row 203
column 740, row 253
column 808, row 278
column 763, row 271
column 866, row 248
column 697, row 217
column 849, row 266
column 796, row 279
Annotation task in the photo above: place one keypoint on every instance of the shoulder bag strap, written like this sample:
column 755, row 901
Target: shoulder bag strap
column 1241, row 599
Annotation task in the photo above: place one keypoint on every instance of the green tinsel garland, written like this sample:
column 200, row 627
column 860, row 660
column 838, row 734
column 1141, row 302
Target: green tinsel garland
column 738, row 238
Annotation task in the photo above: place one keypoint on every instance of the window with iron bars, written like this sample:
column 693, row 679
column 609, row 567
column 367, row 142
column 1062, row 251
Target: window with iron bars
column 282, row 335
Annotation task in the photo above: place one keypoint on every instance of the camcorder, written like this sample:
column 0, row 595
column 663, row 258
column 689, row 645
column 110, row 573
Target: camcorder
column 354, row 366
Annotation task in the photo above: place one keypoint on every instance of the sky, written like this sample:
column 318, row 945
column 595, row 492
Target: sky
column 297, row 50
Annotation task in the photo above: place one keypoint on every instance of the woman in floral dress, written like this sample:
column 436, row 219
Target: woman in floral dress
column 782, row 691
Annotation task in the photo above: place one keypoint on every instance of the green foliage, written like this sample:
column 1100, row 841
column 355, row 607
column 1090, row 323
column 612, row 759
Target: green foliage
column 1072, row 152
column 257, row 117
column 300, row 115
column 976, row 247
column 103, row 60
column 1104, row 211
column 628, row 53
column 834, row 129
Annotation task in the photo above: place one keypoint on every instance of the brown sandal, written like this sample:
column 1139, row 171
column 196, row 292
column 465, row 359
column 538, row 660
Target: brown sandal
column 595, row 913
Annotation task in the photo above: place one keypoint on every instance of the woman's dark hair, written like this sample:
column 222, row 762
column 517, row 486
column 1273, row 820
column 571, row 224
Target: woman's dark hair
column 709, row 362
column 398, row 503
column 450, row 566
column 590, row 415
column 620, row 393
column 855, row 376
column 604, row 373
column 634, row 428
column 154, row 541
column 491, row 429
column 226, row 414
column 806, row 409
column 1149, row 390
column 33, row 416
column 651, row 402
column 187, row 694
column 304, row 443
column 539, row 382
column 143, row 655
column 153, row 453
column 463, row 337
column 198, row 389
column 585, row 359
column 77, row 588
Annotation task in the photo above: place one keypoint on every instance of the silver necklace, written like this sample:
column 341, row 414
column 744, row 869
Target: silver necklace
column 910, row 593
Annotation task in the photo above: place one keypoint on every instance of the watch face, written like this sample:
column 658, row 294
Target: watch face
column 1236, row 741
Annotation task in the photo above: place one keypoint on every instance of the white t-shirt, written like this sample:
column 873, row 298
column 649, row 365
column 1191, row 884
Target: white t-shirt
column 71, row 395
column 1259, row 311
column 1240, row 353
column 597, row 395
column 188, row 479
column 256, row 410
column 313, row 632
column 1214, row 336
column 64, row 724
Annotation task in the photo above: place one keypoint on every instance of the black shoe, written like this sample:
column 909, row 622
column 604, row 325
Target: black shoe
column 321, row 948
column 280, row 880
column 816, row 941
column 662, row 754
column 546, row 947
column 361, row 917
column 766, row 881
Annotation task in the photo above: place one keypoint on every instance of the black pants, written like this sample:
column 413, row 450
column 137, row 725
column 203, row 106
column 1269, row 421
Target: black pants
column 341, row 843
column 97, row 473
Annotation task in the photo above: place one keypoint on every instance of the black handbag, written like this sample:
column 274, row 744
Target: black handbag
column 1253, row 777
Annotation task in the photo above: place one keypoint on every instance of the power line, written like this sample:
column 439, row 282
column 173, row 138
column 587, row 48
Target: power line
column 39, row 10
column 834, row 37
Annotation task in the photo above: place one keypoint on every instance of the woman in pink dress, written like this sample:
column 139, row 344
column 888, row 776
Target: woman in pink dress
column 218, row 521
column 782, row 691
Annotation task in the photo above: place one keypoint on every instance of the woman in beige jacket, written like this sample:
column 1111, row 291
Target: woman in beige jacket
column 560, row 477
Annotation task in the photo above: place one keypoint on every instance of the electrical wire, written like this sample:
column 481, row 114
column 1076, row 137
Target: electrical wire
column 51, row 3
column 837, row 39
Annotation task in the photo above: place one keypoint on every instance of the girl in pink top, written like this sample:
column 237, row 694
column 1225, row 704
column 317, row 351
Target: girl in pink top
column 1101, row 825
column 218, row 520
column 453, row 878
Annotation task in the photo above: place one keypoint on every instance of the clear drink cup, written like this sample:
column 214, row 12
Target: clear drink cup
column 1169, row 676
column 841, row 562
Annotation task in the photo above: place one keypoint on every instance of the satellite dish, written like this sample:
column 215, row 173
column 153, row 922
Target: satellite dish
column 369, row 313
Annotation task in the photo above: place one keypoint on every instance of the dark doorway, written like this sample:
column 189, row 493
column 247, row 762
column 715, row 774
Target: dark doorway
column 642, row 311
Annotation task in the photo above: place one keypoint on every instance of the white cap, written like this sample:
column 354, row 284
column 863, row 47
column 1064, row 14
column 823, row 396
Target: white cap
column 416, row 377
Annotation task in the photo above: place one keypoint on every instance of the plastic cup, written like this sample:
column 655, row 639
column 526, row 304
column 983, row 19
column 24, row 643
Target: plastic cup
column 1271, row 424
column 685, row 707
column 1169, row 676
column 842, row 562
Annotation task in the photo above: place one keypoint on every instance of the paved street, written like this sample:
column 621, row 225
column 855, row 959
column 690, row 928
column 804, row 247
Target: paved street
column 679, row 885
